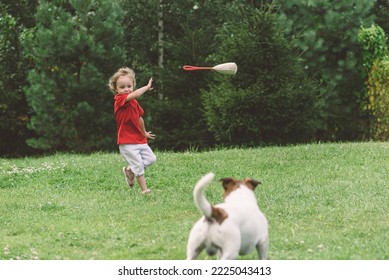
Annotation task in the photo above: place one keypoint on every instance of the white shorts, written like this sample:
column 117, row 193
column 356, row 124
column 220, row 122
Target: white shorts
column 138, row 157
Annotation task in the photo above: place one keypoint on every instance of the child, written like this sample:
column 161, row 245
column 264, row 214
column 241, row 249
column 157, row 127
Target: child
column 132, row 134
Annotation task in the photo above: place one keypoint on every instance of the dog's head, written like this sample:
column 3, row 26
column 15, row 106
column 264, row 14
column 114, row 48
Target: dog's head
column 231, row 184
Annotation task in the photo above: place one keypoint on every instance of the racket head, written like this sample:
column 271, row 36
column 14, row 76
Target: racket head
column 229, row 68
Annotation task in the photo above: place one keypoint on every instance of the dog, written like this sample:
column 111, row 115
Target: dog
column 232, row 228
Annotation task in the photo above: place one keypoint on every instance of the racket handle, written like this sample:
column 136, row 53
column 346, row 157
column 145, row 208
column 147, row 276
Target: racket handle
column 193, row 68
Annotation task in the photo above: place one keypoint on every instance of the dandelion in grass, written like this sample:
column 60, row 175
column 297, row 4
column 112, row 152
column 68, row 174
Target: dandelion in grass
column 6, row 250
column 34, row 254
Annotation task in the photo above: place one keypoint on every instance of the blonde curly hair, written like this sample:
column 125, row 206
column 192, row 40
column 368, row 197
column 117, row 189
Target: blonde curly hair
column 124, row 71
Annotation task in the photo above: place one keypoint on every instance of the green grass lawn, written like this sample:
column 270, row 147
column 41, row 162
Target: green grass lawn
column 323, row 201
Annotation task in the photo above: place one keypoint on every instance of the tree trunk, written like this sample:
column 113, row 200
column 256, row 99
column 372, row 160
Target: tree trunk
column 160, row 35
column 160, row 43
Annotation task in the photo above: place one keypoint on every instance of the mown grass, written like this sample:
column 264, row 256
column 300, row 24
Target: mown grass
column 323, row 201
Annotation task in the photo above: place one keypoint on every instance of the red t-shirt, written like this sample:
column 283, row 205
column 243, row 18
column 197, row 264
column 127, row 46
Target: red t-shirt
column 127, row 115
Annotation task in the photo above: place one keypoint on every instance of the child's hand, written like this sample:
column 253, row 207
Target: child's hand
column 150, row 84
column 150, row 135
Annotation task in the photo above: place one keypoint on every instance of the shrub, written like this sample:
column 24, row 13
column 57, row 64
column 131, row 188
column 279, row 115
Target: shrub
column 376, row 63
column 378, row 93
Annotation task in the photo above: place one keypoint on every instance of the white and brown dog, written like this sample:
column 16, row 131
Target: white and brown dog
column 234, row 227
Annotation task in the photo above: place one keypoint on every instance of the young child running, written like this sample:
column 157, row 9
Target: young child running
column 132, row 134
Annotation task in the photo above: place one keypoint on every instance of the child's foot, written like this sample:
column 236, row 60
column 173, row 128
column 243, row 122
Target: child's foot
column 147, row 191
column 129, row 177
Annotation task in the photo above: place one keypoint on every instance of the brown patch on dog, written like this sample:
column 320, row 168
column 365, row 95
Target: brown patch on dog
column 219, row 214
column 251, row 183
column 229, row 185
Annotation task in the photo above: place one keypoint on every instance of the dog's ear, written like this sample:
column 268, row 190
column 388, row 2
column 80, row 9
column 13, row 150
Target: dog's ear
column 252, row 183
column 229, row 185
column 226, row 181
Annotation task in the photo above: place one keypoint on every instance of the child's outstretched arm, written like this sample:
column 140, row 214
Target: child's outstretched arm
column 140, row 91
column 148, row 134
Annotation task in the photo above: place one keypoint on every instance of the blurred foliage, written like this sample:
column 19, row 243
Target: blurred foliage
column 381, row 11
column 73, row 51
column 57, row 56
column 271, row 101
column 15, row 16
column 326, row 34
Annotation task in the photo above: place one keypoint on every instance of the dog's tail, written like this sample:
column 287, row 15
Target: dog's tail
column 198, row 194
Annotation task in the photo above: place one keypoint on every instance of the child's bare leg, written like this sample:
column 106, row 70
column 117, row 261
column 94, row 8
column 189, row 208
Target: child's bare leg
column 142, row 183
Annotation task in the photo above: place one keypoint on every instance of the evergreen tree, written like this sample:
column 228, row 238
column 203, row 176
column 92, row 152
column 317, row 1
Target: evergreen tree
column 381, row 10
column 270, row 100
column 15, row 16
column 326, row 34
column 75, row 47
